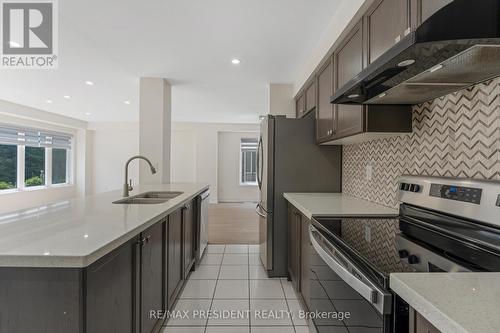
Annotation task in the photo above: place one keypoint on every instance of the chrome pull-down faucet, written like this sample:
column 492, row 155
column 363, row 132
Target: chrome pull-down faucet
column 127, row 186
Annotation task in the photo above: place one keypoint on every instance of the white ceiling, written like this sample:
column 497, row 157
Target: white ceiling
column 189, row 42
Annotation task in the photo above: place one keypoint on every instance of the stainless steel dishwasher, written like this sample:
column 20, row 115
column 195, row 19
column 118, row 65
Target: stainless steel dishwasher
column 203, row 238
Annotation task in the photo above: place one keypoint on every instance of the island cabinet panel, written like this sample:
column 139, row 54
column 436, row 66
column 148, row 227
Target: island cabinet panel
column 188, row 237
column 34, row 300
column 110, row 291
column 294, row 221
column 348, row 63
column 174, row 257
column 152, row 286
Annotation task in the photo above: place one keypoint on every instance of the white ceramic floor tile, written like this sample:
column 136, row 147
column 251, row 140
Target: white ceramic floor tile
column 272, row 329
column 258, row 273
column 295, row 309
column 215, row 248
column 236, row 248
column 234, row 272
column 254, row 248
column 288, row 288
column 168, row 329
column 235, row 259
column 205, row 272
column 192, row 306
column 231, row 289
column 266, row 289
column 302, row 329
column 236, row 310
column 212, row 259
column 230, row 329
column 199, row 289
column 269, row 312
column 254, row 259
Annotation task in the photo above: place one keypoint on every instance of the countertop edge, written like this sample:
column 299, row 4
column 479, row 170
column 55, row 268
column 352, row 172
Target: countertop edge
column 307, row 213
column 15, row 261
column 428, row 310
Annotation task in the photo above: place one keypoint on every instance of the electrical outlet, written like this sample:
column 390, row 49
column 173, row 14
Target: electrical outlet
column 369, row 172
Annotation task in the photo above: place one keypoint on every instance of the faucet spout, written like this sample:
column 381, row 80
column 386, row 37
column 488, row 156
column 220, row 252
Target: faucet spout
column 128, row 187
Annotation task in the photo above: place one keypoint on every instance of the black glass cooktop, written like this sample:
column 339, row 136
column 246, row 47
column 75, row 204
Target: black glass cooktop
column 368, row 242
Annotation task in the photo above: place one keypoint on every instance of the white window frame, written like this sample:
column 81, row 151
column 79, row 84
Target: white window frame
column 241, row 170
column 21, row 167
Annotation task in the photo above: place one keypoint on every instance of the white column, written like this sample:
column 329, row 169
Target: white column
column 281, row 100
column 155, row 107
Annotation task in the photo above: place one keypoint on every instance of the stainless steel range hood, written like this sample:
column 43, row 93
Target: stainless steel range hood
column 455, row 48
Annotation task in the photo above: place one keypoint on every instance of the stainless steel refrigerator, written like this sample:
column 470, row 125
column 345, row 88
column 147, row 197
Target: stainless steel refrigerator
column 289, row 160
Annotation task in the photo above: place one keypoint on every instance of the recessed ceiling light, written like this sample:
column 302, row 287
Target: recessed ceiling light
column 88, row 113
column 14, row 44
column 127, row 102
column 67, row 96
column 49, row 101
column 405, row 63
column 46, row 253
column 86, row 236
column 236, row 61
column 436, row 68
column 89, row 83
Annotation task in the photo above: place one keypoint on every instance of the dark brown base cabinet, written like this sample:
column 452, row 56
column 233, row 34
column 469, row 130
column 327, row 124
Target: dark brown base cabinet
column 123, row 292
column 299, row 250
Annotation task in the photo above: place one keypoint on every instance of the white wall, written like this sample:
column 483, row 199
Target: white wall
column 203, row 140
column 281, row 100
column 347, row 10
column 113, row 144
column 228, row 181
column 15, row 114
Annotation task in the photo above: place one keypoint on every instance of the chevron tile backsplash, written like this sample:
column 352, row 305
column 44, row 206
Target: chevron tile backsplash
column 454, row 136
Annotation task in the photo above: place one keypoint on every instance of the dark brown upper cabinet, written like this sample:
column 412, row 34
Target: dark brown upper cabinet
column 300, row 105
column 349, row 61
column 310, row 95
column 425, row 8
column 325, row 111
column 386, row 23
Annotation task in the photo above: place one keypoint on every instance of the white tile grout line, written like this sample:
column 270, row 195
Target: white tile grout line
column 215, row 289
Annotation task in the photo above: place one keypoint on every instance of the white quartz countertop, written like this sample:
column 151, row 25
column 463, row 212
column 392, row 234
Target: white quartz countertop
column 77, row 232
column 453, row 302
column 336, row 204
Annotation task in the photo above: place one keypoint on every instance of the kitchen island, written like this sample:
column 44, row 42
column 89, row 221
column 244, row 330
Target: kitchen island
column 87, row 265
column 464, row 302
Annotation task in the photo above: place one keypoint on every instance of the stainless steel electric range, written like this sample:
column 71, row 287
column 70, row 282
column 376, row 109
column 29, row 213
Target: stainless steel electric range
column 445, row 225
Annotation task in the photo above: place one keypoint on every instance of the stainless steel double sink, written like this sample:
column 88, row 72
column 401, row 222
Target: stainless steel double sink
column 149, row 198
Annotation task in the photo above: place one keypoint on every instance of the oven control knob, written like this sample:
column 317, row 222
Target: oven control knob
column 413, row 259
column 403, row 254
column 416, row 188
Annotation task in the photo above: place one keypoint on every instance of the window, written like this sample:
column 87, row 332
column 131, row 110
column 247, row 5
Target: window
column 8, row 167
column 33, row 158
column 248, row 167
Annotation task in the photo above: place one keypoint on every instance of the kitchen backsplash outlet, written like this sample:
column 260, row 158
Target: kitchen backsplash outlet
column 457, row 135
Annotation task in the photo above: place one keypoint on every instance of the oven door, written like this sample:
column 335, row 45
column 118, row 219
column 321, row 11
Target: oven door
column 343, row 299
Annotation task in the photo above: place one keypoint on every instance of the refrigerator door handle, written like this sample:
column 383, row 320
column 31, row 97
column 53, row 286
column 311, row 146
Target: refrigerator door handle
column 258, row 210
column 259, row 160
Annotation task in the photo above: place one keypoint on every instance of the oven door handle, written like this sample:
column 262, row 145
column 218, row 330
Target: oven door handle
column 258, row 210
column 366, row 291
